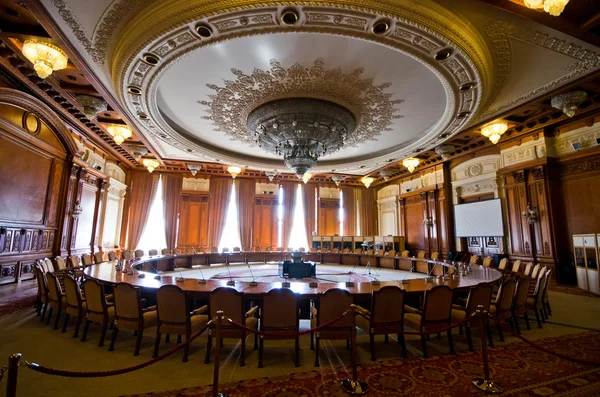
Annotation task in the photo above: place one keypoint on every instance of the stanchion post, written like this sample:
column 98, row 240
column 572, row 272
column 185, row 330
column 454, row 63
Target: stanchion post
column 13, row 372
column 485, row 384
column 215, row 390
column 353, row 385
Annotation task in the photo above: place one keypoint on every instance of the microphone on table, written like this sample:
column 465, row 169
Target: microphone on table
column 404, row 280
column 350, row 283
column 375, row 280
column 230, row 281
column 252, row 283
column 180, row 278
column 202, row 280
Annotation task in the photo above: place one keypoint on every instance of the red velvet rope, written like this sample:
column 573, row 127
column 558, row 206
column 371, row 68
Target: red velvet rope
column 99, row 374
column 288, row 334
column 395, row 331
column 575, row 360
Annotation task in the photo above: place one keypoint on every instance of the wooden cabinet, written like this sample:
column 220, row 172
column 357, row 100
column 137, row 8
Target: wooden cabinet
column 193, row 220
column 265, row 222
column 585, row 248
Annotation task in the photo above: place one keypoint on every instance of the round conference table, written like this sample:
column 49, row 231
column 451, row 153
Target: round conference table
column 106, row 273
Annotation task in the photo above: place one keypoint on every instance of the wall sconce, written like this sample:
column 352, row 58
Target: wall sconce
column 428, row 221
column 150, row 164
column 77, row 209
column 531, row 214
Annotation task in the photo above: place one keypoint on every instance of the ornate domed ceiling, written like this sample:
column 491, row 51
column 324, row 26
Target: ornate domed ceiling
column 413, row 74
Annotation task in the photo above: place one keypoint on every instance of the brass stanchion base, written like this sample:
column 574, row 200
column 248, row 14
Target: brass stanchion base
column 357, row 388
column 488, row 386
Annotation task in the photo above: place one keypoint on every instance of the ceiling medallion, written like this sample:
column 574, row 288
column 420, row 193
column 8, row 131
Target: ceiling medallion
column 372, row 107
column 91, row 105
column 445, row 150
column 301, row 130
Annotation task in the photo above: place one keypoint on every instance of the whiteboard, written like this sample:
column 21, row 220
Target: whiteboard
column 480, row 219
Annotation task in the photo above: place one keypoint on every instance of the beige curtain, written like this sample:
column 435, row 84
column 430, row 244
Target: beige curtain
column 349, row 205
column 289, row 201
column 245, row 196
column 218, row 201
column 172, row 185
column 143, row 189
column 310, row 197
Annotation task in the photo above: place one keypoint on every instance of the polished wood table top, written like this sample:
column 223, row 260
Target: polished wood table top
column 106, row 273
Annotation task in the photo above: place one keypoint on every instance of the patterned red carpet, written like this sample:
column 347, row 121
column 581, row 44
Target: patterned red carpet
column 521, row 369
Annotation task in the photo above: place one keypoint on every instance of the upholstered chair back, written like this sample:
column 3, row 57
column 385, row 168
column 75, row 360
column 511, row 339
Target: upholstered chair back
column 98, row 257
column 405, row 254
column 358, row 251
column 128, row 305
column 86, row 259
column 54, row 289
column 138, row 253
column 421, row 255
column 190, row 250
column 474, row 259
column 112, row 256
column 73, row 296
column 172, row 305
column 503, row 263
column 279, row 309
column 504, row 299
column 521, row 292
column 73, row 261
column 387, row 305
column 516, row 267
column 60, row 264
column 152, row 252
column 333, row 303
column 435, row 256
column 230, row 301
column 236, row 249
column 480, row 295
column 94, row 297
column 437, row 306
column 487, row 261
column 40, row 278
column 165, row 251
column 47, row 265
column 528, row 269
column 391, row 253
column 127, row 255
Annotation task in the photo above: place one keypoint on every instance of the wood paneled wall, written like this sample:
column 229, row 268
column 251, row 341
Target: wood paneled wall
column 329, row 216
column 193, row 220
column 265, row 222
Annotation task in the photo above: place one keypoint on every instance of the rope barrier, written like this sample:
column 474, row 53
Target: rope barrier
column 98, row 374
column 545, row 350
column 289, row 333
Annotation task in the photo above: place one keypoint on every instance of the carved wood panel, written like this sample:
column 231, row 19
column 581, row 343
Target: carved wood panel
column 193, row 221
column 265, row 222
column 413, row 216
column 329, row 217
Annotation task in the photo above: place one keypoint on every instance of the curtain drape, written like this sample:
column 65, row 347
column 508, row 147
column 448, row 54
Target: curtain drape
column 289, row 201
column 218, row 201
column 349, row 205
column 245, row 195
column 143, row 189
column 367, row 222
column 172, row 185
column 310, row 197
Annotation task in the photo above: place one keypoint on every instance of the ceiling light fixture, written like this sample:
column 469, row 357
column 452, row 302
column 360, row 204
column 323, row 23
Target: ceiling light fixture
column 552, row 7
column 194, row 168
column 271, row 175
column 234, row 171
column 337, row 179
column 367, row 181
column 137, row 151
column 569, row 102
column 46, row 57
column 445, row 151
column 301, row 130
column 494, row 130
column 306, row 176
column 411, row 163
column 119, row 132
column 386, row 174
column 151, row 164
column 91, row 105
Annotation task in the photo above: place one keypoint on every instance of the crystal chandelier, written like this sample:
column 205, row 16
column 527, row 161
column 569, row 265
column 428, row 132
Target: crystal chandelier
column 271, row 175
column 367, row 181
column 411, row 163
column 306, row 176
column 234, row 171
column 46, row 57
column 119, row 132
column 194, row 168
column 150, row 164
column 301, row 130
column 337, row 179
column 494, row 130
column 569, row 102
column 552, row 7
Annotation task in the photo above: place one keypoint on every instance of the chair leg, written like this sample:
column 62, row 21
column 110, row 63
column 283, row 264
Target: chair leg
column 500, row 333
column 168, row 338
column 49, row 315
column 57, row 319
column 544, row 313
column 312, row 341
column 65, row 323
column 77, row 326
column 85, row 330
column 297, row 352
column 537, row 317
column 549, row 308
column 113, row 339
column 156, row 344
column 255, row 341
column 316, row 350
column 347, row 344
column 451, row 342
column 517, row 326
column 44, row 311
column 138, row 343
column 103, row 333
column 372, row 343
column 178, row 339
column 402, row 342
column 469, row 339
column 511, row 324
column 386, row 340
column 186, row 349
column 208, row 347
column 488, row 330
column 424, row 345
column 260, row 352
column 243, row 352
column 526, row 317
column 221, row 342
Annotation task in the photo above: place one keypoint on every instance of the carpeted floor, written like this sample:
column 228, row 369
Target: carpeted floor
column 514, row 363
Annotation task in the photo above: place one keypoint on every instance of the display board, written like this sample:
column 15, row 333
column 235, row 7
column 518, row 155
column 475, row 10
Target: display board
column 479, row 219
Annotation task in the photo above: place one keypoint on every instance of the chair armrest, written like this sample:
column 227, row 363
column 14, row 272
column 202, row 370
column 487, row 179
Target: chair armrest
column 251, row 312
column 313, row 311
column 149, row 309
column 409, row 309
column 200, row 310
column 458, row 307
column 362, row 311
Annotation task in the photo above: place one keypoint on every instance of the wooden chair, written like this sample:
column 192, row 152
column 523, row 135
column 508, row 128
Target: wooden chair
column 175, row 317
column 256, row 249
column 59, row 264
column 501, row 307
column 535, row 301
column 225, row 250
column 98, row 257
column 98, row 309
column 130, row 313
column 546, row 300
column 387, row 306
column 42, row 294
column 152, row 252
column 528, row 269
column 231, row 302
column 86, row 259
column 436, row 314
column 520, row 303
column 487, row 261
column 380, row 252
column 127, row 255
column 358, row 251
column 237, row 249
column 112, row 256
column 503, row 264
column 335, row 250
column 346, row 251
column 75, row 304
column 165, row 251
column 480, row 295
column 46, row 265
column 390, row 253
column 405, row 254
column 279, row 313
column 56, row 297
column 516, row 267
column 422, row 266
column 138, row 253
column 474, row 260
column 330, row 305
column 536, row 271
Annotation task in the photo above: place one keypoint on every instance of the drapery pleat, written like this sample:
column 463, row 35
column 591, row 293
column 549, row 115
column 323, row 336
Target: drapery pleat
column 245, row 195
column 367, row 212
column 310, row 197
column 218, row 201
column 172, row 185
column 349, row 205
column 289, row 201
column 143, row 189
